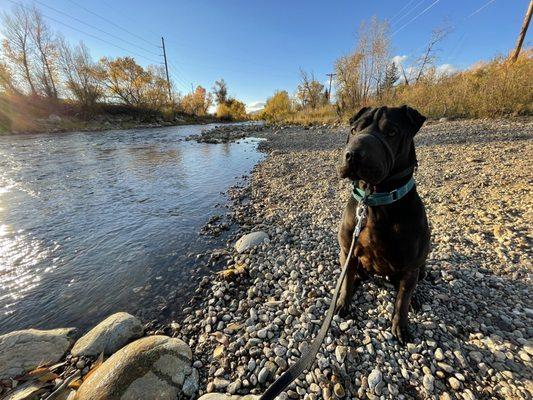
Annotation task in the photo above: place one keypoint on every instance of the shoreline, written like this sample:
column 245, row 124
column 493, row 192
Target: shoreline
column 69, row 126
column 249, row 321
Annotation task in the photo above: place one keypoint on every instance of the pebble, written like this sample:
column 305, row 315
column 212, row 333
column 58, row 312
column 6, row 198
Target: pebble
column 428, row 382
column 220, row 383
column 454, row 383
column 374, row 378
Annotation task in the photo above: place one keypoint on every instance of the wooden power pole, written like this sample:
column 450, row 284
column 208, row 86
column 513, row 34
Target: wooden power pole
column 522, row 35
column 330, row 77
column 166, row 69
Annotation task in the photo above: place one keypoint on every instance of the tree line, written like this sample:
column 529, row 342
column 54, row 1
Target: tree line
column 38, row 63
column 369, row 75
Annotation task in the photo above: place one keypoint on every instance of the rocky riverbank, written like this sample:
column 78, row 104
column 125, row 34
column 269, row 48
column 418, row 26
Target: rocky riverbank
column 104, row 122
column 249, row 322
column 473, row 333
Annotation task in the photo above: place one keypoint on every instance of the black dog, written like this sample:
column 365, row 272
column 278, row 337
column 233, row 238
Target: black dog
column 380, row 158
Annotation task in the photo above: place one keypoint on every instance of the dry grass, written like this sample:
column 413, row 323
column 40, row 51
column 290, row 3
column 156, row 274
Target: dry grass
column 494, row 89
column 488, row 90
column 322, row 115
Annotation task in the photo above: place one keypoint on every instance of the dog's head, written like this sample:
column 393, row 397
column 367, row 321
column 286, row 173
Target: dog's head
column 380, row 143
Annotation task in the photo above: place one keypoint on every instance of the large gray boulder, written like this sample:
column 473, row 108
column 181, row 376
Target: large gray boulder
column 109, row 335
column 22, row 351
column 154, row 367
column 223, row 396
column 251, row 240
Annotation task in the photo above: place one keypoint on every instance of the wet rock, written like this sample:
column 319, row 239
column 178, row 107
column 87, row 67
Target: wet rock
column 109, row 335
column 22, row 351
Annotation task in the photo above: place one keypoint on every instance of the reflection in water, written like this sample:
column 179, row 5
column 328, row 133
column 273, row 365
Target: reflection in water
column 93, row 223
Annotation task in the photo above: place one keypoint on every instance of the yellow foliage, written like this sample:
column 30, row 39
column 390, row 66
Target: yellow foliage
column 278, row 107
column 197, row 102
column 231, row 110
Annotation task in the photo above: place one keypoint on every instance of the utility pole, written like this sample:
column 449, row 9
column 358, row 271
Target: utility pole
column 166, row 69
column 522, row 35
column 330, row 78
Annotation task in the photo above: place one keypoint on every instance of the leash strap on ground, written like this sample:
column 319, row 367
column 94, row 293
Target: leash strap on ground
column 307, row 360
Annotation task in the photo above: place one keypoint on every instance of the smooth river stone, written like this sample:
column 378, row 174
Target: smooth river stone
column 251, row 240
column 22, row 351
column 154, row 367
column 109, row 335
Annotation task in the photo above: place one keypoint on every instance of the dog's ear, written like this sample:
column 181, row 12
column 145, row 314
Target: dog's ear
column 416, row 119
column 354, row 119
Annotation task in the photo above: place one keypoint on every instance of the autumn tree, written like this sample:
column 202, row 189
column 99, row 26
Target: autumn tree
column 348, row 92
column 232, row 109
column 7, row 84
column 361, row 74
column 310, row 92
column 155, row 94
column 427, row 60
column 83, row 77
column 278, row 107
column 197, row 102
column 17, row 45
column 46, row 55
column 220, row 90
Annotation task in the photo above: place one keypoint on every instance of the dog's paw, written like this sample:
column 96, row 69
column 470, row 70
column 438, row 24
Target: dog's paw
column 341, row 308
column 401, row 331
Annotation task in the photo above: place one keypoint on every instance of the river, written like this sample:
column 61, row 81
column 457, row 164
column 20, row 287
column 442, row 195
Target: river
column 97, row 222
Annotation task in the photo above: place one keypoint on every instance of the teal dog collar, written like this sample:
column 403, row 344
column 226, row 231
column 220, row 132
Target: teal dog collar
column 382, row 198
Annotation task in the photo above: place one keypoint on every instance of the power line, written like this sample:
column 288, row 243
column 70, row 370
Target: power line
column 481, row 8
column 112, row 23
column 401, row 10
column 181, row 78
column 410, row 11
column 416, row 17
column 87, row 33
column 95, row 27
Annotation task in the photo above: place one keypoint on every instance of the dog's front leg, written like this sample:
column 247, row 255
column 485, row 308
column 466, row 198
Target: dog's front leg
column 400, row 322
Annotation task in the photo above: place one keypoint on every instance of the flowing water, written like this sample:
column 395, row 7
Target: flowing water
column 97, row 222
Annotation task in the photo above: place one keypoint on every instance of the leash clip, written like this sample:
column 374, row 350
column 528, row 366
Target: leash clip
column 360, row 214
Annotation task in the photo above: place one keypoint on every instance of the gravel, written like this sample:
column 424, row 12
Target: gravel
column 473, row 333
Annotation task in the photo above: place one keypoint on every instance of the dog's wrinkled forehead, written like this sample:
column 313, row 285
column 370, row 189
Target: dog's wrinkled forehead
column 404, row 118
column 364, row 118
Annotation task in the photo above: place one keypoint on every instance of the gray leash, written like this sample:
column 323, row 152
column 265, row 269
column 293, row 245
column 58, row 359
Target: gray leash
column 307, row 360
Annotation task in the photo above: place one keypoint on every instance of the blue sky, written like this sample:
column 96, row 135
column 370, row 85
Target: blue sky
column 259, row 46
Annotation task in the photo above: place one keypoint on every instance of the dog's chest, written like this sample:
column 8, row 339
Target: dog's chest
column 376, row 253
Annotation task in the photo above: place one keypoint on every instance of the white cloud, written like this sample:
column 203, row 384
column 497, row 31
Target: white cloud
column 255, row 106
column 446, row 69
column 399, row 59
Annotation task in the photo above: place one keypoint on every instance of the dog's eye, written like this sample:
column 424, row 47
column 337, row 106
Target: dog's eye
column 393, row 131
column 353, row 131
